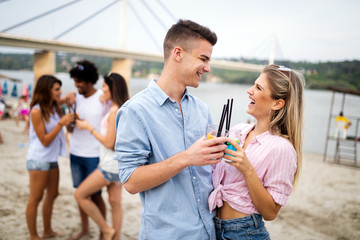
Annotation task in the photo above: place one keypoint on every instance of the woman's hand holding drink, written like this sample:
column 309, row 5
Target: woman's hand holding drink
column 84, row 125
column 238, row 158
column 66, row 119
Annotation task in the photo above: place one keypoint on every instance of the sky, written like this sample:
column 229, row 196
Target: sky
column 307, row 30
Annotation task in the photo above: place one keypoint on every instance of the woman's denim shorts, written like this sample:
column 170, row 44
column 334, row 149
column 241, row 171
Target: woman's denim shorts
column 40, row 165
column 111, row 177
column 251, row 227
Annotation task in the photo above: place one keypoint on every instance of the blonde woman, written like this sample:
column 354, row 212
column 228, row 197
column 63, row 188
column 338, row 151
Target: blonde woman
column 254, row 181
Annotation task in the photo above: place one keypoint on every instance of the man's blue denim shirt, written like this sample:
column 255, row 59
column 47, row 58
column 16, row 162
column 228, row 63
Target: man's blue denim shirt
column 150, row 128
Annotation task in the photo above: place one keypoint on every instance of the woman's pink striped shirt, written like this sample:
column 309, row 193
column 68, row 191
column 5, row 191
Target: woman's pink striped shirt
column 273, row 158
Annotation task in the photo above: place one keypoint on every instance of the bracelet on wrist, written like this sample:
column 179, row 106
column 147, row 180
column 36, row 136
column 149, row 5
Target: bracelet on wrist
column 60, row 124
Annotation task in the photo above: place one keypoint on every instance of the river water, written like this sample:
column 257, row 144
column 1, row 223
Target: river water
column 215, row 95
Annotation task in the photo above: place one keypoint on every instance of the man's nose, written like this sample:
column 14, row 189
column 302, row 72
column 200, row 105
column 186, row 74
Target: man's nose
column 207, row 67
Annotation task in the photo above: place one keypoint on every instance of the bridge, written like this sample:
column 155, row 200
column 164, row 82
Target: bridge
column 44, row 57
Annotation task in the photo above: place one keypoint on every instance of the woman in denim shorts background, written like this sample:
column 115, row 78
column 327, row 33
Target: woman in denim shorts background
column 46, row 143
column 256, row 179
column 115, row 89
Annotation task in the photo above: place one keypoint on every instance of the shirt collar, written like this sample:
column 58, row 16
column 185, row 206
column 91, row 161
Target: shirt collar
column 159, row 95
column 245, row 131
column 260, row 138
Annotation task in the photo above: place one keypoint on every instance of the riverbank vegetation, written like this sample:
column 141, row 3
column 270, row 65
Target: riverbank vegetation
column 318, row 75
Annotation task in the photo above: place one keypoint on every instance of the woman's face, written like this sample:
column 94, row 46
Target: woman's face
column 56, row 92
column 260, row 101
column 106, row 90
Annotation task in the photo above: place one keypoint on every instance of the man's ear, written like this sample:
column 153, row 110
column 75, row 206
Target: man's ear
column 178, row 53
column 280, row 103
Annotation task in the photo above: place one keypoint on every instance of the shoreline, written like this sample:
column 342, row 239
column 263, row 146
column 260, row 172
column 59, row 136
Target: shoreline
column 324, row 205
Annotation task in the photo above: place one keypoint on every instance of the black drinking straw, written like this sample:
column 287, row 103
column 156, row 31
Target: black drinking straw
column 227, row 116
column 222, row 121
column 229, row 113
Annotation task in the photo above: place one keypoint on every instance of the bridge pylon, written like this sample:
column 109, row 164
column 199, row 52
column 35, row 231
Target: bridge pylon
column 44, row 63
column 123, row 67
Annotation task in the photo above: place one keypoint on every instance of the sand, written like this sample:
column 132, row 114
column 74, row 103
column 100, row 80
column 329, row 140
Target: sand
column 325, row 205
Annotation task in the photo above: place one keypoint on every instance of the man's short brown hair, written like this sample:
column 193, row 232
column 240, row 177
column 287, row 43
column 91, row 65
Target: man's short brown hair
column 184, row 33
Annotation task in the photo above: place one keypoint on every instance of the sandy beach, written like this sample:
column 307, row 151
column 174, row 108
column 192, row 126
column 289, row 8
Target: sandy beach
column 325, row 205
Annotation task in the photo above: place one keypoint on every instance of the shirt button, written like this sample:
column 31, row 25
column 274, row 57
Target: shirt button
column 176, row 110
column 194, row 178
column 198, row 200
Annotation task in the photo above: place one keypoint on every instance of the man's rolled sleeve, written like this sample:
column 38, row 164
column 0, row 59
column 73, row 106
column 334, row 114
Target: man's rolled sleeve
column 132, row 146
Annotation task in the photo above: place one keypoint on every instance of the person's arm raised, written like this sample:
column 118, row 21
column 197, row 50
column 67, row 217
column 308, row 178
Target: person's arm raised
column 68, row 99
column 202, row 152
column 39, row 126
column 107, row 140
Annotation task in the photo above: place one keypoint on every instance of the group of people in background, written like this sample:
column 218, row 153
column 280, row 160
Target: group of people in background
column 91, row 148
column 186, row 188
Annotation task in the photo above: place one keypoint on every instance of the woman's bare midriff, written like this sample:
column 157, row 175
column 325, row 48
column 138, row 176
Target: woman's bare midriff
column 226, row 212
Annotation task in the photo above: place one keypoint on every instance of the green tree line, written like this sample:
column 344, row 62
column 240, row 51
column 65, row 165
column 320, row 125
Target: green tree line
column 318, row 75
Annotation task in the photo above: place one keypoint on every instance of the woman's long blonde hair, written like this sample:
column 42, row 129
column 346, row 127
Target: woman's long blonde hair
column 288, row 121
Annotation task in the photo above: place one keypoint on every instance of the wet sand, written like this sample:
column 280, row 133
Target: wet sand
column 325, row 205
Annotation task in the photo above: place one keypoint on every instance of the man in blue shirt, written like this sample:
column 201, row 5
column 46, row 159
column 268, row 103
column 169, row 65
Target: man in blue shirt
column 160, row 144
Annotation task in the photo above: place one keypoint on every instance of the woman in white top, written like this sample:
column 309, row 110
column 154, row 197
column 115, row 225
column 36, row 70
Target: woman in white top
column 115, row 89
column 46, row 143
